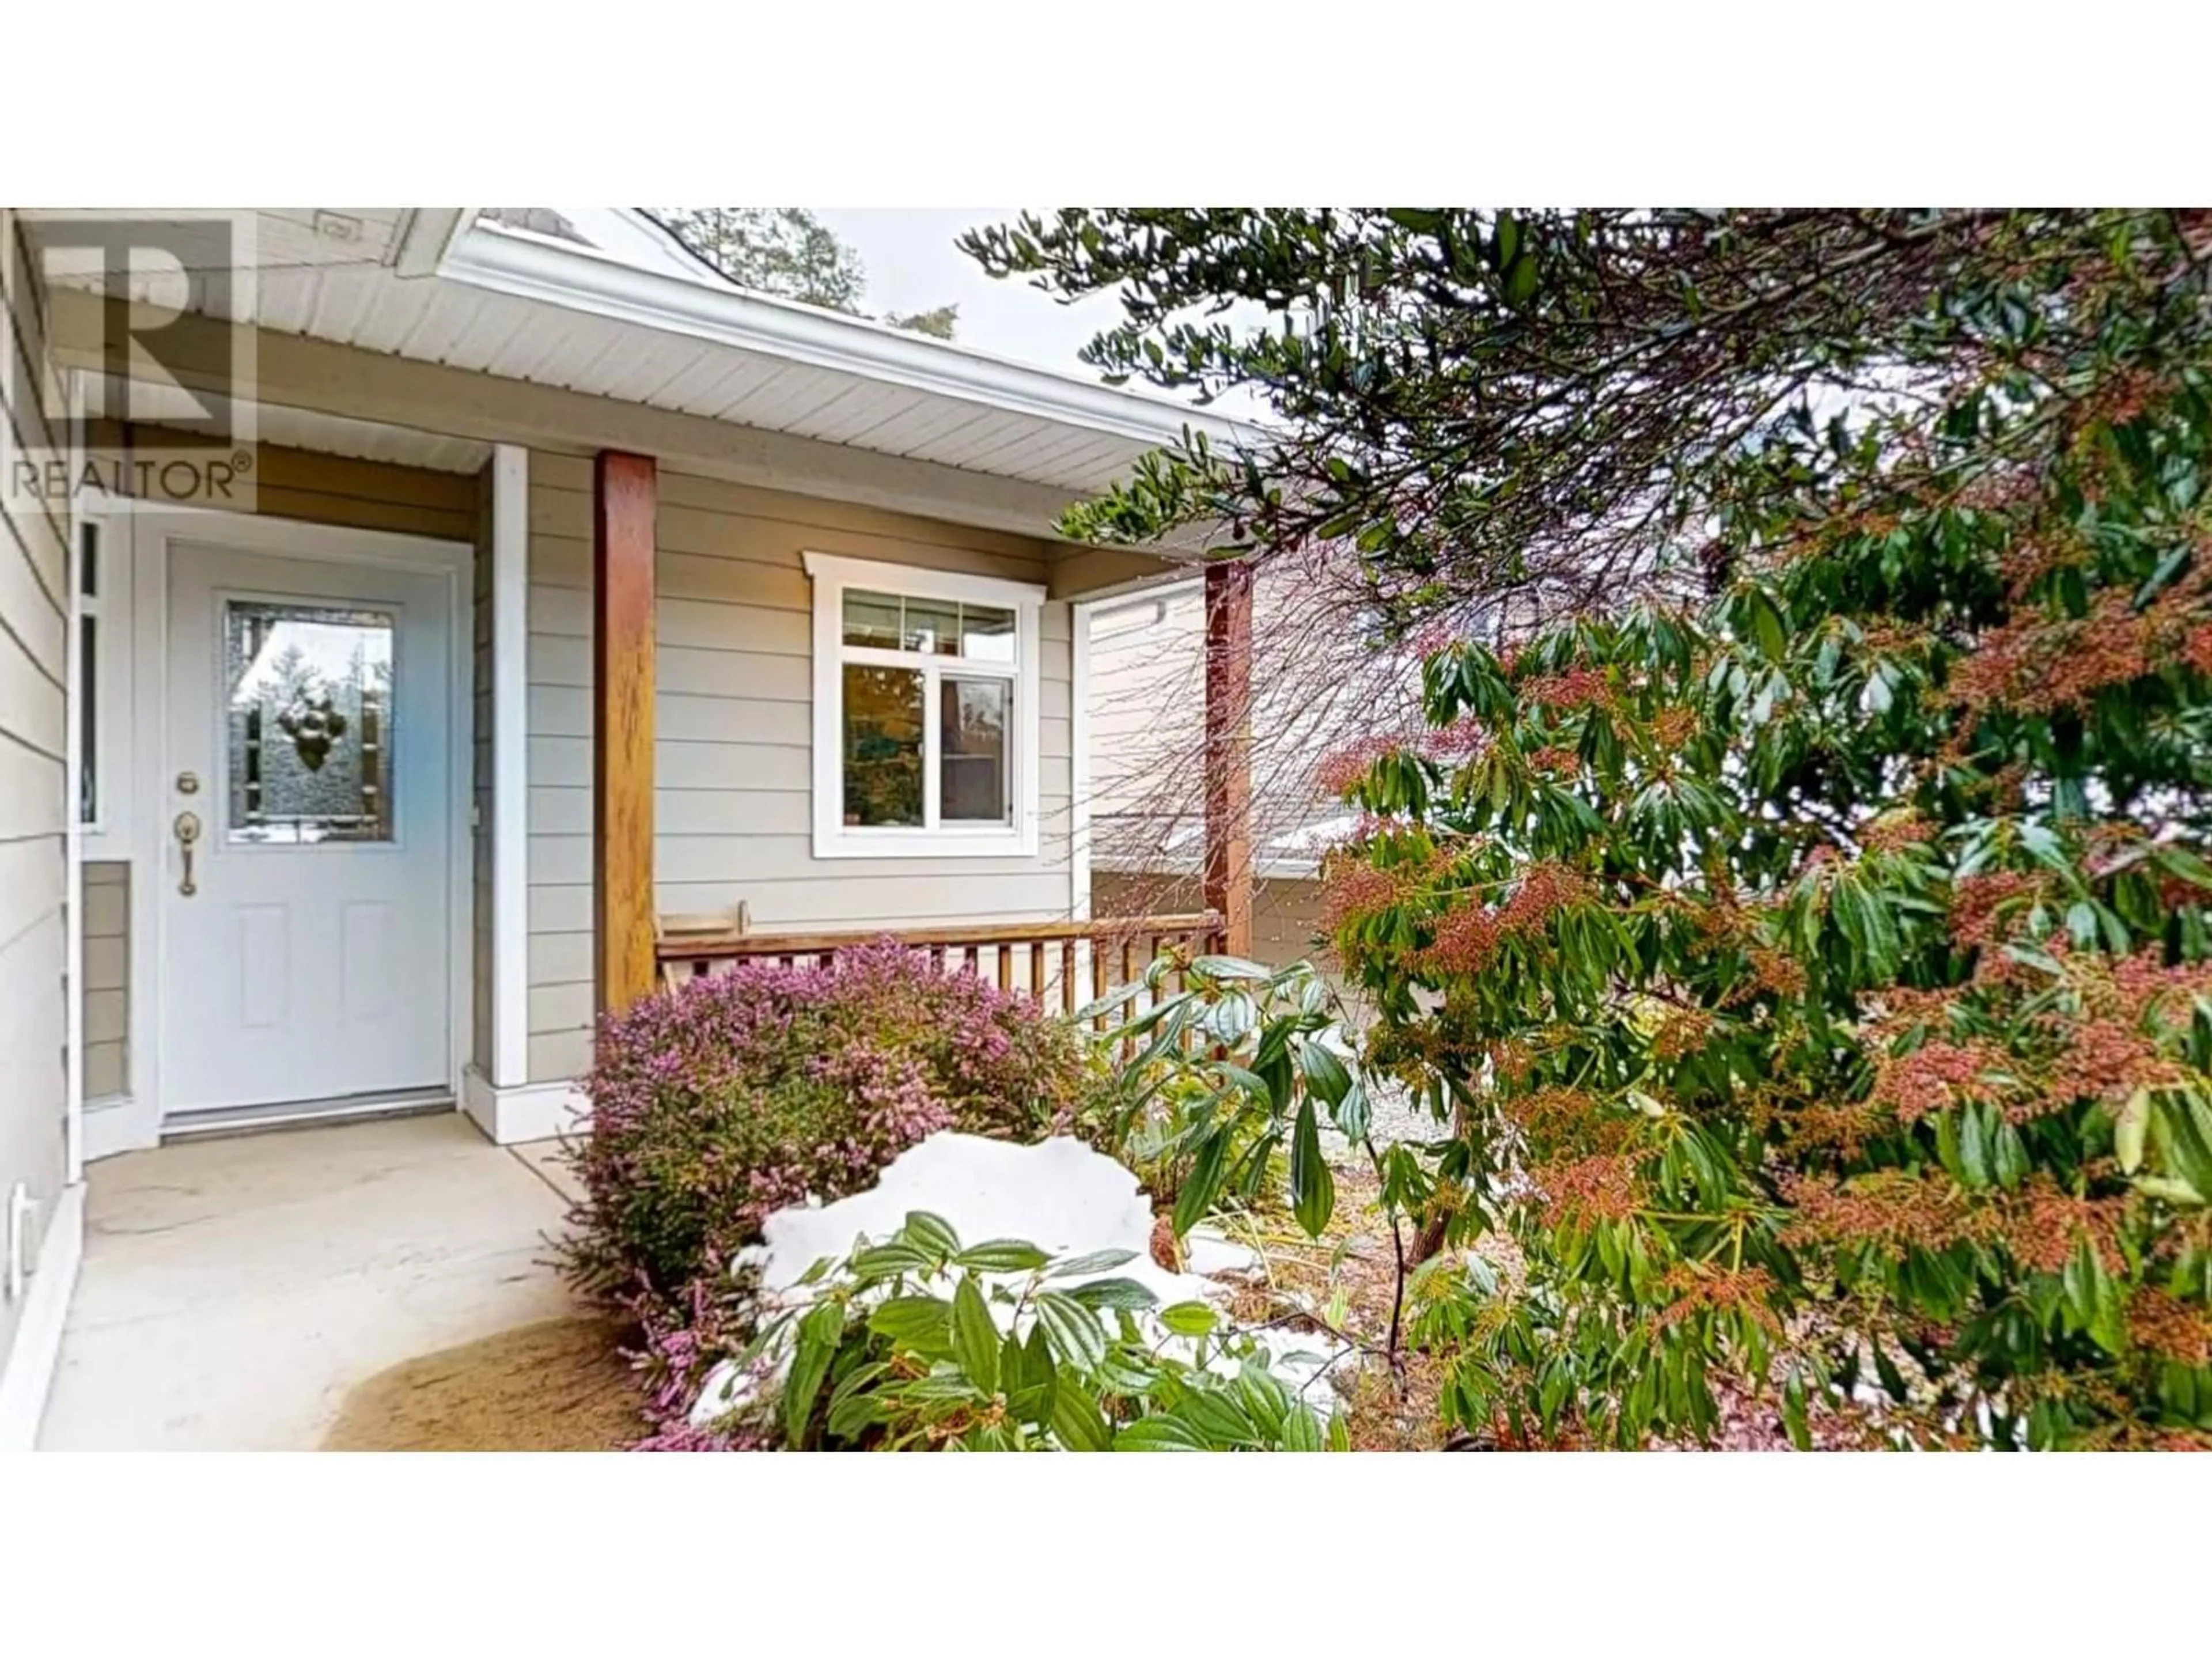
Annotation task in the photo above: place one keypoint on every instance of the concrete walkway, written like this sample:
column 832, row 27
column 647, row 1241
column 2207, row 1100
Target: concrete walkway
column 234, row 1290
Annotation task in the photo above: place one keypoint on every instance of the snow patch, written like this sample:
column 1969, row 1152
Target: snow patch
column 1059, row 1195
column 1211, row 1252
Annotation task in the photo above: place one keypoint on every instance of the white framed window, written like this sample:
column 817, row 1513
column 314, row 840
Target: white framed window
column 926, row 728
column 90, row 656
column 99, row 679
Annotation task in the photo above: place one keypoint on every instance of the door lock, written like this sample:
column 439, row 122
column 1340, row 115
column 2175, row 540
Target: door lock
column 188, row 783
column 187, row 828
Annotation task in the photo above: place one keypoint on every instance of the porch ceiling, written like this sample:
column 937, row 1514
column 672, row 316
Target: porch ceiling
column 547, row 311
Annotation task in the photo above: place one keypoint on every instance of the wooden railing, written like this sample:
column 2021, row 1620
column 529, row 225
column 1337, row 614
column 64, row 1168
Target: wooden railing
column 1067, row 964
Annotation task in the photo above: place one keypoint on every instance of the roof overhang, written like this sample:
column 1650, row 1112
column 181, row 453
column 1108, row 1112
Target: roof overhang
column 442, row 287
column 582, row 280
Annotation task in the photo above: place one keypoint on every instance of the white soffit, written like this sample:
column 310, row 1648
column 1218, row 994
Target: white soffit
column 720, row 352
column 550, row 312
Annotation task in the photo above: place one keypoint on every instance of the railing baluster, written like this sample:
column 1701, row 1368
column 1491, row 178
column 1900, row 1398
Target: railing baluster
column 1124, row 945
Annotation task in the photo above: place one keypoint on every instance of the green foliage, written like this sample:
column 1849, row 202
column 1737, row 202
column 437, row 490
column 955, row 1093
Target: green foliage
column 921, row 1343
column 1230, row 1078
column 1479, row 405
column 785, row 251
column 1799, row 897
column 1821, row 971
column 790, row 252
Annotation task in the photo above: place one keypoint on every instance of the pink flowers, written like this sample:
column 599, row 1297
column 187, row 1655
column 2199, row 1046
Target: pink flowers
column 1344, row 770
column 1352, row 892
column 715, row 1106
column 1574, row 687
column 1464, row 739
column 1465, row 941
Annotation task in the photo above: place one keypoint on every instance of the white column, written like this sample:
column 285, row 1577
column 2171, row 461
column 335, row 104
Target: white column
column 510, row 805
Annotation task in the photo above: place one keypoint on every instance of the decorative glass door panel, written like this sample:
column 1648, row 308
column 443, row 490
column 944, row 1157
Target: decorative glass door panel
column 309, row 723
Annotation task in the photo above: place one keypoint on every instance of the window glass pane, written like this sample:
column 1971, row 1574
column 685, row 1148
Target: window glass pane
column 88, row 564
column 88, row 706
column 932, row 625
column 309, row 717
column 972, row 750
column 987, row 633
column 871, row 619
column 883, row 745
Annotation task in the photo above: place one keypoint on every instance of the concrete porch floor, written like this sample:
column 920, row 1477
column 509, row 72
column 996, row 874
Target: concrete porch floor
column 234, row 1290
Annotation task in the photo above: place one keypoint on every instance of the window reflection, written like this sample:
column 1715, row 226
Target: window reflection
column 972, row 750
column 883, row 745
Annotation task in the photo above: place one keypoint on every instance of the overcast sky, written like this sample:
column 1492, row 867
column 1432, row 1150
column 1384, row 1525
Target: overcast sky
column 912, row 266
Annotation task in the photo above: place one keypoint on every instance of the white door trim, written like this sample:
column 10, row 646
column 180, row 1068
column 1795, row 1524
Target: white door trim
column 152, row 532
column 73, row 864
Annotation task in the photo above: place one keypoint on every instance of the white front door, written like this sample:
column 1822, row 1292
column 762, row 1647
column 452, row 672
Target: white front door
column 308, row 801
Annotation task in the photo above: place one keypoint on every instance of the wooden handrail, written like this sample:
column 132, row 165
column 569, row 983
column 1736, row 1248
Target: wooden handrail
column 1041, row 959
column 714, row 947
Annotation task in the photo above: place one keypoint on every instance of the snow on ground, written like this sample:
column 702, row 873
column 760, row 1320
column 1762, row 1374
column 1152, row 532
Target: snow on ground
column 1393, row 1114
column 1058, row 1194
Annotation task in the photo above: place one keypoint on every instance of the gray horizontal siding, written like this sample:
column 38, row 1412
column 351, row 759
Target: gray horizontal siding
column 733, row 729
column 107, row 979
column 34, row 781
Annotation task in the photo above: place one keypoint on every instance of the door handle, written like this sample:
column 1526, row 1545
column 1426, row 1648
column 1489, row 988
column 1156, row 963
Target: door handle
column 187, row 827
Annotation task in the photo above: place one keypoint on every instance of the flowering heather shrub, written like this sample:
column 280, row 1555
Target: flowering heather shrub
column 715, row 1106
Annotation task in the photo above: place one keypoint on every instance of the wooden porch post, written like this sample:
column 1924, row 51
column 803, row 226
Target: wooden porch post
column 623, row 491
column 1229, row 749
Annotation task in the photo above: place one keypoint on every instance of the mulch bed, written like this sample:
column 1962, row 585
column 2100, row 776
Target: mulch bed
column 561, row 1385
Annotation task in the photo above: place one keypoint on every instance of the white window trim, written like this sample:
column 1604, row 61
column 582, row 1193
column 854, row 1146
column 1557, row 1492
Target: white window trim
column 832, row 837
column 107, row 837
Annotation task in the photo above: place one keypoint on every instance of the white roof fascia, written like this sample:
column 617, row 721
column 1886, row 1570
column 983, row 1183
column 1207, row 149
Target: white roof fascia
column 429, row 236
column 583, row 279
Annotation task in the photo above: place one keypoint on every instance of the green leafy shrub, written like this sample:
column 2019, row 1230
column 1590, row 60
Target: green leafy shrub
column 716, row 1105
column 1817, row 954
column 919, row 1344
column 1234, row 1072
column 1823, row 972
column 1237, row 1074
